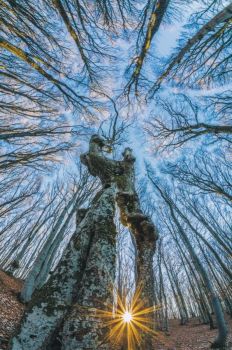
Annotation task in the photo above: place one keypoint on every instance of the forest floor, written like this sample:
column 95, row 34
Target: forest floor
column 192, row 336
column 11, row 310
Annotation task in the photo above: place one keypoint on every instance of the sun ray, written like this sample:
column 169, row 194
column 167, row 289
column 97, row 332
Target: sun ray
column 127, row 320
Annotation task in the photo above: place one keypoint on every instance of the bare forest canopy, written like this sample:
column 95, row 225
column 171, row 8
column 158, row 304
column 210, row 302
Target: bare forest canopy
column 94, row 79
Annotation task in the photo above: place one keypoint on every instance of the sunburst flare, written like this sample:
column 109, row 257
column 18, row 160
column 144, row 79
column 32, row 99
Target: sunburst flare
column 128, row 321
column 127, row 317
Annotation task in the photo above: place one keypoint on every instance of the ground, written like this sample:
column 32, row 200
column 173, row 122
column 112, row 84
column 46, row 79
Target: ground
column 11, row 310
column 192, row 336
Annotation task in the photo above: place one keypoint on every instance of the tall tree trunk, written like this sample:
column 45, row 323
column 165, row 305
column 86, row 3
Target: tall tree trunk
column 82, row 281
column 84, row 329
column 140, row 225
column 145, row 234
column 146, row 249
column 33, row 280
column 220, row 341
column 50, row 304
column 221, row 17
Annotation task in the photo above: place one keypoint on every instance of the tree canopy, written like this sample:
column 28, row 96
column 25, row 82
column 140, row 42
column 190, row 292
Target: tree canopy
column 154, row 76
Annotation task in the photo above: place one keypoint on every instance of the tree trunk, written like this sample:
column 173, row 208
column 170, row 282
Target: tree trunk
column 33, row 281
column 84, row 329
column 220, row 341
column 63, row 314
column 50, row 304
column 140, row 225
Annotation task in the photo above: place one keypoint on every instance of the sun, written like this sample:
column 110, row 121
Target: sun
column 128, row 321
column 127, row 317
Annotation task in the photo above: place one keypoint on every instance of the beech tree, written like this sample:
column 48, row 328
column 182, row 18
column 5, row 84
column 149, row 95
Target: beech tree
column 65, row 68
column 222, row 329
column 183, row 121
column 205, row 56
column 88, row 263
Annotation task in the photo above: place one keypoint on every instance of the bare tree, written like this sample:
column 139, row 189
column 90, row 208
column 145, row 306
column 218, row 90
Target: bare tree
column 184, row 120
column 206, row 173
column 157, row 10
column 205, row 57
column 88, row 262
column 222, row 329
column 43, row 262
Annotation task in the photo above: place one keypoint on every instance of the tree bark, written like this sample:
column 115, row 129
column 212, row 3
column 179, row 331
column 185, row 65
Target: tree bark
column 51, row 303
column 63, row 314
column 220, row 341
column 140, row 225
column 84, row 329
column 220, row 17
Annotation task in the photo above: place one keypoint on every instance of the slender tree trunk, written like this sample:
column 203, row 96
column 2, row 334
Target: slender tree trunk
column 47, row 263
column 220, row 341
column 177, row 299
column 146, row 249
column 32, row 280
column 204, row 308
column 220, row 17
column 163, row 297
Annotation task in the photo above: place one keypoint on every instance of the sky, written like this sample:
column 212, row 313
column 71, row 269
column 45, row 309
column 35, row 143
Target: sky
column 136, row 114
